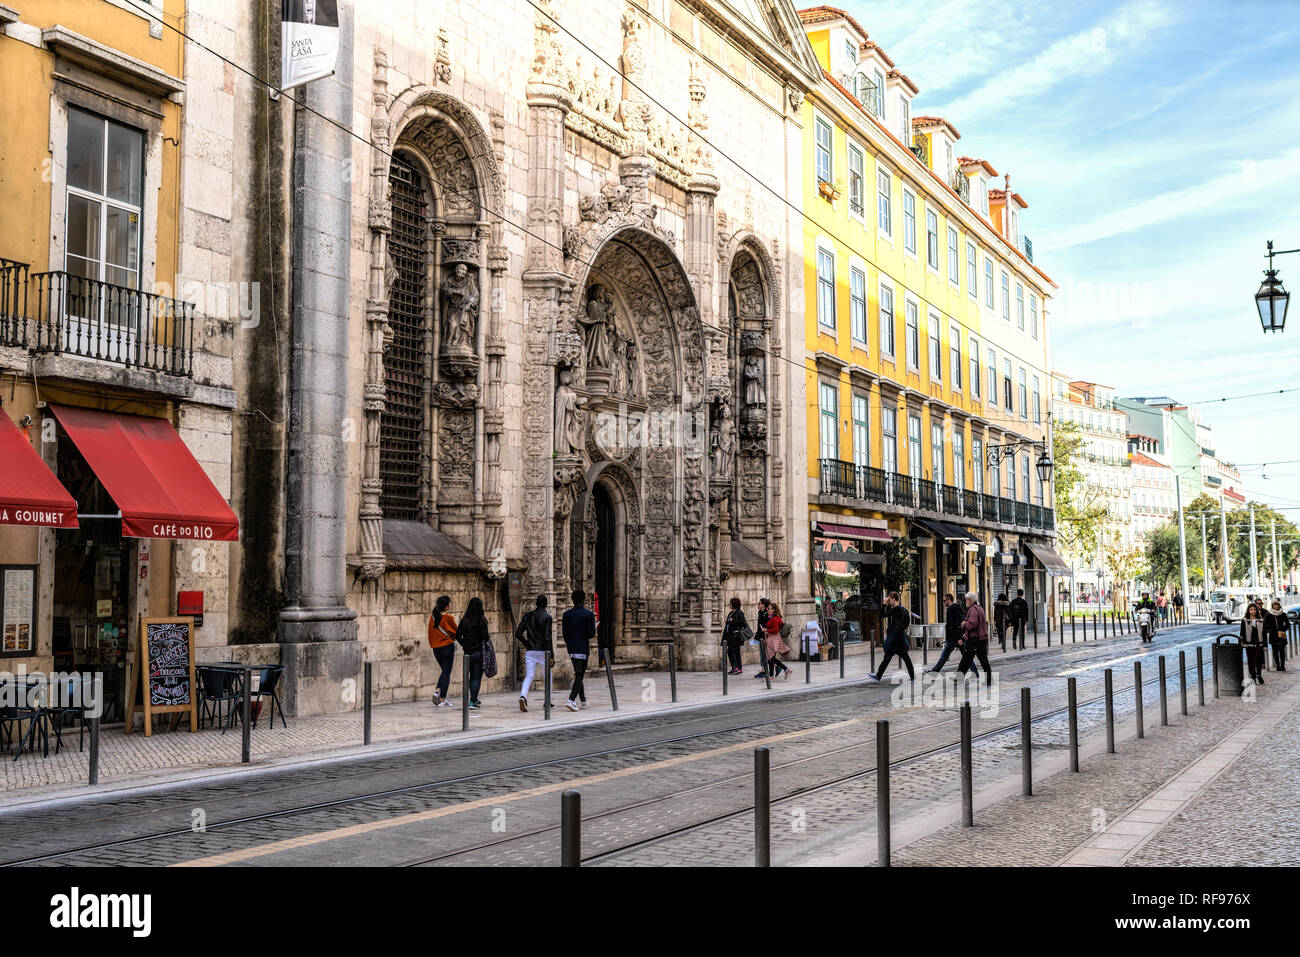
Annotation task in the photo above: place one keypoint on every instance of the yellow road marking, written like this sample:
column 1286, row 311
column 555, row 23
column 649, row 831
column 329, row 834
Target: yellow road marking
column 320, row 837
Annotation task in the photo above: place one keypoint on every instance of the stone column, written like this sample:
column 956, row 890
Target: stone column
column 317, row 628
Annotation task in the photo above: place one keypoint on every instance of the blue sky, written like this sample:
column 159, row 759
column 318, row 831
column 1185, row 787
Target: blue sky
column 1157, row 146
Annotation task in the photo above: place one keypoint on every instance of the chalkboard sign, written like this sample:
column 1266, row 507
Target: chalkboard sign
column 166, row 685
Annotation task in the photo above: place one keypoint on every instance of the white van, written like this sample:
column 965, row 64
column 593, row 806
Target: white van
column 1229, row 604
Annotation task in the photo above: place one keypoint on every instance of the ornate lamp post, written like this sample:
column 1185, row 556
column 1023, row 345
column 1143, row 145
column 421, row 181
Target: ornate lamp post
column 996, row 453
column 1272, row 298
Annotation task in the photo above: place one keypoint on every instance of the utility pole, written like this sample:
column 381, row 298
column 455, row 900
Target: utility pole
column 1254, row 564
column 1205, row 562
column 1182, row 540
column 1227, row 560
column 1276, row 555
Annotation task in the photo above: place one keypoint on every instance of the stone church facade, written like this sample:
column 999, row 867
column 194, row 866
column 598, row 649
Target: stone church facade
column 569, row 323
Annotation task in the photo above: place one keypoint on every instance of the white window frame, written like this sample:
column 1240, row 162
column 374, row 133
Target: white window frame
column 885, row 204
column 994, row 385
column 972, row 271
column 858, row 304
column 880, row 95
column 828, row 420
column 954, row 353
column 914, row 450
column 977, row 464
column 909, row 248
column 976, row 372
column 1038, row 402
column 1023, row 394
column 935, row 346
column 888, row 320
column 821, row 123
column 1033, row 316
column 1020, row 306
column 938, row 473
column 932, row 239
column 989, row 301
column 912, row 334
column 958, row 459
column 954, row 256
column 825, row 252
column 861, row 402
column 857, row 152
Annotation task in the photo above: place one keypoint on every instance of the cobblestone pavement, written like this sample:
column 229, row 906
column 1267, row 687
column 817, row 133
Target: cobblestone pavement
column 496, row 801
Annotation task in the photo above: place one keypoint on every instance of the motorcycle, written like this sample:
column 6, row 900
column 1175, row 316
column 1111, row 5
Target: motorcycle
column 1146, row 623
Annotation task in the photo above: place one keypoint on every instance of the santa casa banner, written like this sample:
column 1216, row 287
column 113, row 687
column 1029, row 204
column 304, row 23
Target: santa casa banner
column 309, row 41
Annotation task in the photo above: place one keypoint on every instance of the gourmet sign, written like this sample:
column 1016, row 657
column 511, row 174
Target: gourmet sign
column 25, row 515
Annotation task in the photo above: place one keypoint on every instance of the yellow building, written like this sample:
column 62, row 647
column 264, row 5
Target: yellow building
column 117, row 399
column 926, row 348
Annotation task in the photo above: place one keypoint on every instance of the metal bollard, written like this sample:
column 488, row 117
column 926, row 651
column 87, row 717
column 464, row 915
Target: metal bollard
column 464, row 691
column 1072, row 638
column 882, row 793
column 762, row 660
column 1026, row 748
column 762, row 808
column 1164, row 695
column 807, row 661
column 1074, row 725
column 246, row 714
column 546, row 687
column 1182, row 678
column 1214, row 661
column 609, row 674
column 1035, row 629
column 365, row 733
column 872, row 642
column 726, row 672
column 1137, row 696
column 1110, row 712
column 841, row 636
column 94, row 747
column 571, row 829
column 1102, row 616
column 1200, row 677
column 672, row 670
column 967, row 783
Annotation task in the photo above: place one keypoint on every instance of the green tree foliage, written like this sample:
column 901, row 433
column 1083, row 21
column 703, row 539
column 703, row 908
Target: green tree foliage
column 900, row 564
column 1081, row 513
column 1288, row 537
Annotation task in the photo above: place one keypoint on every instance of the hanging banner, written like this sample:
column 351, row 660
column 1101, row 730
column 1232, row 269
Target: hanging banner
column 309, row 41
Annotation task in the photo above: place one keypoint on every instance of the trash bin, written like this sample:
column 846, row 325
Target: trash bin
column 1230, row 669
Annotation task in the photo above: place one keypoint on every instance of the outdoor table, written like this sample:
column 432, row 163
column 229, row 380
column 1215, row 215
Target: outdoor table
column 245, row 672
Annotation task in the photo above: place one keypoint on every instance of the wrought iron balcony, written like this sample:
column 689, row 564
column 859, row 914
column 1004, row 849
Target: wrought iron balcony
column 904, row 490
column 970, row 504
column 1022, row 513
column 838, row 478
column 1035, row 516
column 873, row 484
column 951, row 500
column 927, row 495
column 61, row 313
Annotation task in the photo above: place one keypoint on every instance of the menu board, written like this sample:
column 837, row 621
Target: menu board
column 18, row 609
column 166, row 684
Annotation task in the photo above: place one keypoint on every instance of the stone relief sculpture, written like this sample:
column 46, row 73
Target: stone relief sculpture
column 596, row 324
column 723, row 443
column 459, row 305
column 569, row 425
column 755, row 392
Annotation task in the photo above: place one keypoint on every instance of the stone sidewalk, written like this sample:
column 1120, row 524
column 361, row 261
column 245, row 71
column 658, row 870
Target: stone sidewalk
column 169, row 756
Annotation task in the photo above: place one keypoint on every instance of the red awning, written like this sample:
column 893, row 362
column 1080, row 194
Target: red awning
column 30, row 494
column 160, row 488
column 855, row 531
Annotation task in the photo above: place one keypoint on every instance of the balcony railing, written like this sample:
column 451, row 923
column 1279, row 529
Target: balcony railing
column 866, row 484
column 1027, row 245
column 61, row 313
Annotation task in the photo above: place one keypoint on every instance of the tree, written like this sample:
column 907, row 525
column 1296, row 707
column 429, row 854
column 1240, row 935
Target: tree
column 900, row 564
column 1164, row 565
column 1124, row 567
column 1288, row 537
column 1081, row 513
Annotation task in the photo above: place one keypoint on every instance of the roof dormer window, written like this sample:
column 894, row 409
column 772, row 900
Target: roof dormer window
column 904, row 120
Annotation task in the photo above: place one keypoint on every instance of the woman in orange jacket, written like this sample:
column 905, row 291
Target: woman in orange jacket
column 442, row 639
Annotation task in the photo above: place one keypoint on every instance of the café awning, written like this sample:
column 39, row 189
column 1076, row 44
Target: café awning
column 945, row 530
column 30, row 494
column 160, row 488
column 1049, row 558
column 854, row 531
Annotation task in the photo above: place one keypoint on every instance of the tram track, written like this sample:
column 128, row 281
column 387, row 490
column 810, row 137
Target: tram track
column 738, row 722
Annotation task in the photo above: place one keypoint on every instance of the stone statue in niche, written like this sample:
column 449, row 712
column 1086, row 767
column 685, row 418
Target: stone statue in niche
column 755, row 392
column 596, row 326
column 722, row 442
column 633, row 385
column 618, row 346
column 569, row 425
column 459, row 306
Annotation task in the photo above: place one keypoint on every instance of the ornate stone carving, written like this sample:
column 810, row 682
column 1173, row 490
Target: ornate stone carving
column 633, row 109
column 570, row 416
column 755, row 390
column 796, row 100
column 460, row 302
column 722, row 442
column 442, row 63
column 460, row 395
column 462, row 251
column 597, row 320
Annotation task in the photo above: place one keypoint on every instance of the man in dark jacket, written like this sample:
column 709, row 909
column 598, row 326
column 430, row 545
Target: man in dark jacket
column 1019, row 616
column 897, row 619
column 534, row 633
column 976, row 644
column 953, row 633
column 764, row 613
column 578, row 627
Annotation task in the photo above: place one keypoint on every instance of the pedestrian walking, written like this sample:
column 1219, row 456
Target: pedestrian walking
column 735, row 632
column 1162, row 604
column 578, row 627
column 1276, row 625
column 953, row 632
column 764, row 613
column 897, row 619
column 1019, row 617
column 1178, row 605
column 1252, row 636
column 534, row 633
column 1001, row 613
column 442, row 639
column 775, row 631
column 976, row 642
column 471, row 634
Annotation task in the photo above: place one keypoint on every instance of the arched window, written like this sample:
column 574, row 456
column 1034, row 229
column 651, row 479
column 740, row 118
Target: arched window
column 401, row 438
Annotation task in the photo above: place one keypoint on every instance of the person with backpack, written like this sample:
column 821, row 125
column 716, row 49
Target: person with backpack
column 897, row 620
column 1252, row 636
column 764, row 613
column 1001, row 613
column 577, row 628
column 472, row 634
column 1276, row 625
column 534, row 633
column 442, row 639
column 735, row 632
column 953, row 632
column 1019, row 617
column 976, row 641
column 776, row 633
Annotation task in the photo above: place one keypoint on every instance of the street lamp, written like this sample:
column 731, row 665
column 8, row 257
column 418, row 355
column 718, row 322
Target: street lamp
column 1044, row 466
column 1272, row 298
column 996, row 453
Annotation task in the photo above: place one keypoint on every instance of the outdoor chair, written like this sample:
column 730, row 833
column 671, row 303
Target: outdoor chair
column 218, row 686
